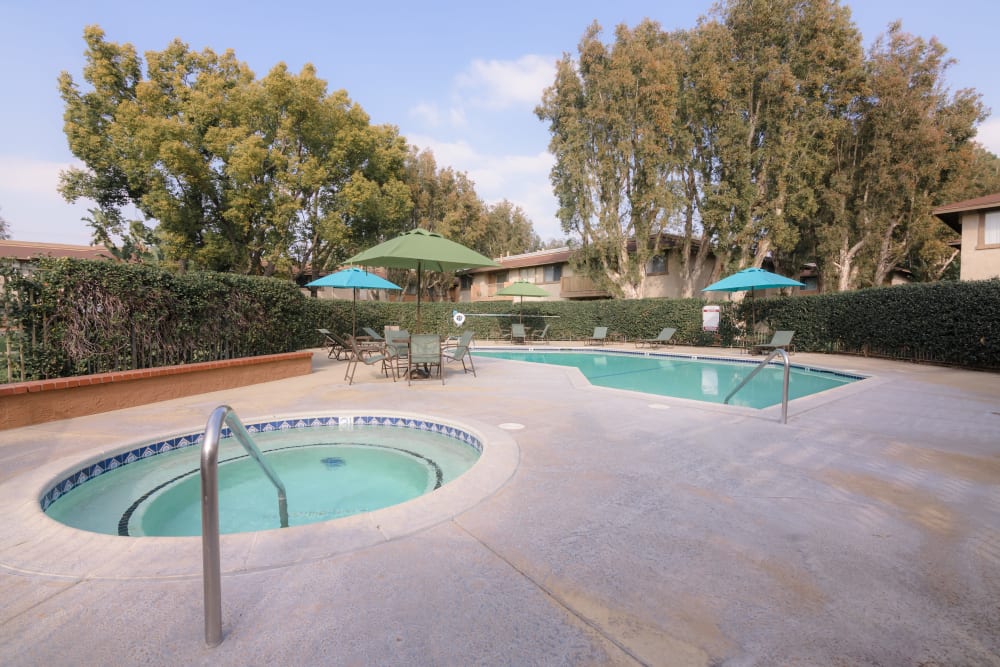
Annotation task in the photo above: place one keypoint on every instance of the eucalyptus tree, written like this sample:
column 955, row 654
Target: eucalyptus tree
column 610, row 114
column 788, row 71
column 508, row 231
column 444, row 201
column 910, row 143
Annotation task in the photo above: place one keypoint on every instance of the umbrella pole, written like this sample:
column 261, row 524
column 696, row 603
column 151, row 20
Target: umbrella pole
column 354, row 315
column 419, row 272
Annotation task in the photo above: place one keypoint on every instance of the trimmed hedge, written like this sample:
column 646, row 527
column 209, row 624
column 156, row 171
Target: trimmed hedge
column 74, row 317
column 948, row 322
column 77, row 317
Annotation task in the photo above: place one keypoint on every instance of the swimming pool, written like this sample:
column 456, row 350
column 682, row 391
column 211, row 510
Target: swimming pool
column 331, row 468
column 681, row 376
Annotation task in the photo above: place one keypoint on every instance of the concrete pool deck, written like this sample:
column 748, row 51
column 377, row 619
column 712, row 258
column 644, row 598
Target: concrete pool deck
column 617, row 529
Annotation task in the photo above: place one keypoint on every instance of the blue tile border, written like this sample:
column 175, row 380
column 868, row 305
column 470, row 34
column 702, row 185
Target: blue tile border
column 144, row 451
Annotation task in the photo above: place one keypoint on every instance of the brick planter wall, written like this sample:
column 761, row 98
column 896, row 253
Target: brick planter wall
column 26, row 403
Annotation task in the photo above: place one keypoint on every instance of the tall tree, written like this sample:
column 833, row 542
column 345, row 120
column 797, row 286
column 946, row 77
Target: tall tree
column 610, row 115
column 4, row 229
column 790, row 68
column 244, row 175
column 508, row 231
column 909, row 142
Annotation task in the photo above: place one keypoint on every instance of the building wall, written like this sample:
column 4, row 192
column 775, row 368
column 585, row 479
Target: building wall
column 668, row 285
column 657, row 285
column 978, row 262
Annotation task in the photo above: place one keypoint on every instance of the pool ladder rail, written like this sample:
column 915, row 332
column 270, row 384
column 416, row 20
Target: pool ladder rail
column 784, row 384
column 210, row 550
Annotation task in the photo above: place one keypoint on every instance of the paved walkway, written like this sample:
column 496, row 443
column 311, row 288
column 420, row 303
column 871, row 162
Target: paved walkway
column 622, row 529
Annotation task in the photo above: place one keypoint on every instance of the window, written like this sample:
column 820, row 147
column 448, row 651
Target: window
column 991, row 228
column 656, row 264
column 500, row 277
column 553, row 273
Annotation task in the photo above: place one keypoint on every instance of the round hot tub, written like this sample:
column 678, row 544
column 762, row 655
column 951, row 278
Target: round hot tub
column 331, row 467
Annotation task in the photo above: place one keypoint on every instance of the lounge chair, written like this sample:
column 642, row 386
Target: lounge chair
column 517, row 333
column 541, row 336
column 425, row 353
column 662, row 339
column 372, row 334
column 460, row 351
column 334, row 346
column 358, row 354
column 781, row 339
column 600, row 336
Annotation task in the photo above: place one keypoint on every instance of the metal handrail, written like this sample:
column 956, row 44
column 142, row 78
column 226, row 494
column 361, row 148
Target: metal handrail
column 784, row 386
column 210, row 551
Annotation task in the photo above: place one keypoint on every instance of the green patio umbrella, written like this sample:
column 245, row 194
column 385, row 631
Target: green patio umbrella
column 357, row 279
column 422, row 250
column 749, row 280
column 522, row 289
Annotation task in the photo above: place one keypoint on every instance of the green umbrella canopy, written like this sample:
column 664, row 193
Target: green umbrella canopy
column 522, row 289
column 421, row 250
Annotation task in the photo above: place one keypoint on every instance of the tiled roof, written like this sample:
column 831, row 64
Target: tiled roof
column 26, row 250
column 951, row 214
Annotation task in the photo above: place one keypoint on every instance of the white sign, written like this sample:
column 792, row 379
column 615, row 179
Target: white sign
column 710, row 318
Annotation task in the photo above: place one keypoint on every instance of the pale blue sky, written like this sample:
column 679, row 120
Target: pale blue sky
column 460, row 78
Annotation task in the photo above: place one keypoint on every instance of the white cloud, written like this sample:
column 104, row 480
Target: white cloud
column 988, row 134
column 501, row 84
column 521, row 179
column 427, row 113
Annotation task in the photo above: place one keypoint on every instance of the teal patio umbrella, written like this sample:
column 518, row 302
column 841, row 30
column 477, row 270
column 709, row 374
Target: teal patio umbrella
column 357, row 279
column 749, row 280
column 522, row 289
column 424, row 251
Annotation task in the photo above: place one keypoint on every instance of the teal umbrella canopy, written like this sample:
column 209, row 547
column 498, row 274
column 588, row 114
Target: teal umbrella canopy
column 522, row 289
column 357, row 279
column 353, row 277
column 752, row 279
column 749, row 280
column 424, row 251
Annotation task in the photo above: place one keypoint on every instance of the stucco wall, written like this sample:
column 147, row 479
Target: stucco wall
column 26, row 403
column 977, row 263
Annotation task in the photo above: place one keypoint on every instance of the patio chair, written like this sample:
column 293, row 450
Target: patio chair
column 666, row 333
column 425, row 352
column 460, row 351
column 397, row 348
column 334, row 346
column 541, row 336
column 600, row 336
column 358, row 355
column 781, row 339
column 517, row 333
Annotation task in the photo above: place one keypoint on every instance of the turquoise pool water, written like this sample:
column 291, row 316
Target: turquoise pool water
column 685, row 377
column 328, row 472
